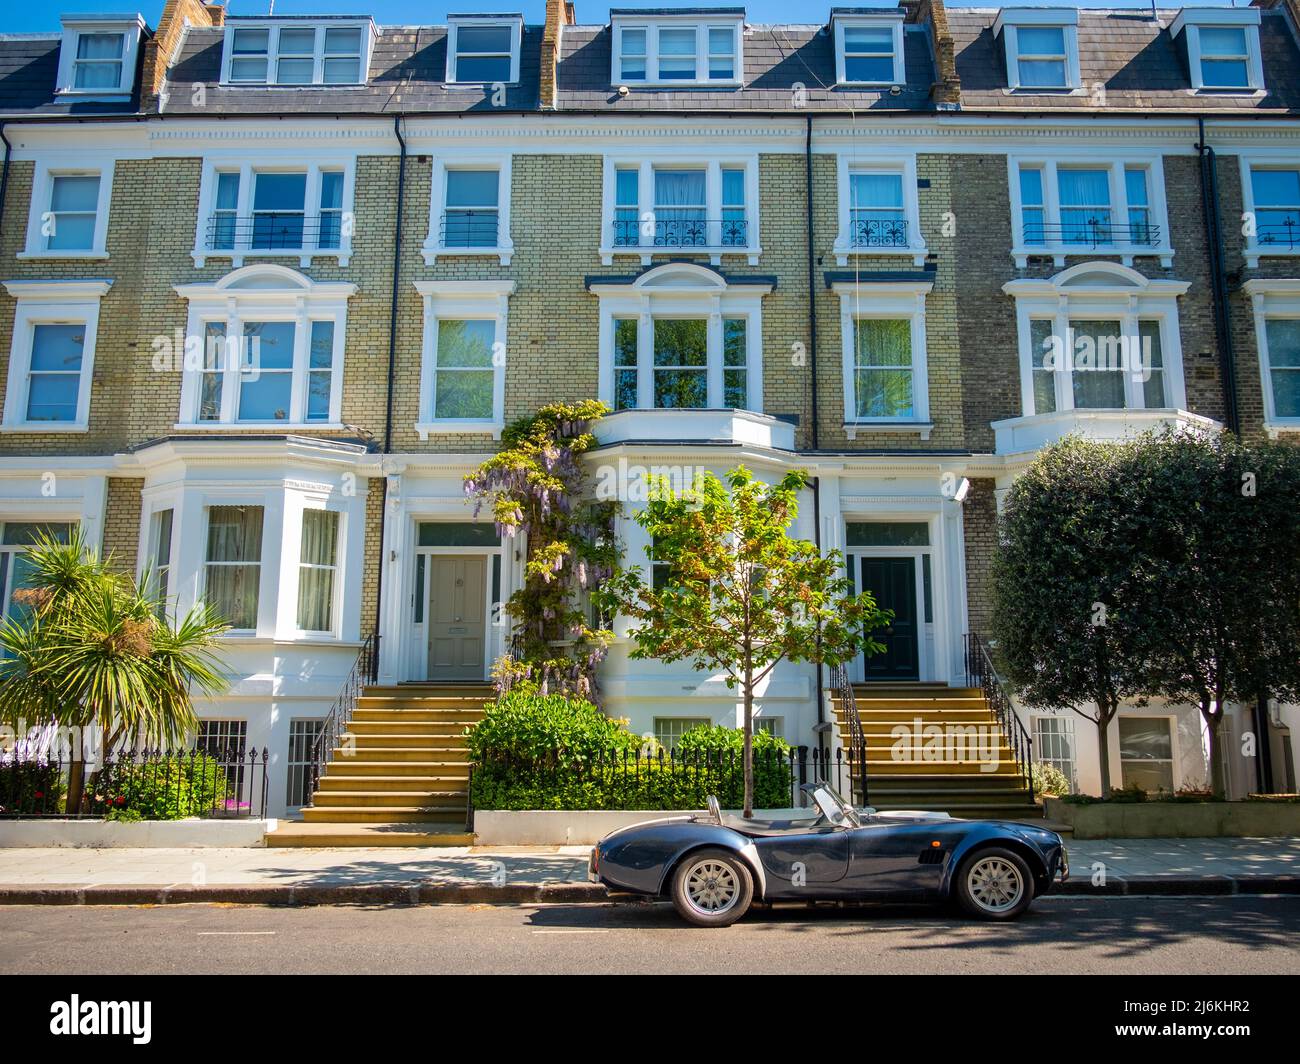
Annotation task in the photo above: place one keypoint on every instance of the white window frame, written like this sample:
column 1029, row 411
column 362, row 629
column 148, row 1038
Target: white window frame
column 47, row 169
column 282, row 162
column 433, row 242
column 265, row 559
column 516, row 26
column 258, row 293
column 320, row 503
column 701, row 23
column 1272, row 298
column 1130, row 299
column 1009, row 22
column 131, row 32
column 885, row 300
column 458, row 301
column 50, row 302
column 1127, row 251
column 645, row 164
column 273, row 28
column 1251, row 161
column 1191, row 20
column 681, row 290
column 850, row 163
column 889, row 21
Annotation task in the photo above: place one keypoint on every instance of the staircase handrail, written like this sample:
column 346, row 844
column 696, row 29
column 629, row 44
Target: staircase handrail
column 857, row 737
column 982, row 673
column 365, row 670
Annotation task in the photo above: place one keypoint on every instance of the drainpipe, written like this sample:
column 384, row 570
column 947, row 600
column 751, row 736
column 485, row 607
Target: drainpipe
column 1218, row 278
column 4, row 176
column 392, row 366
column 812, row 274
column 817, row 540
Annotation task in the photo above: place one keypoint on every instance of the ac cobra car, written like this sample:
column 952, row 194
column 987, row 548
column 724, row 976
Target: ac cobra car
column 714, row 867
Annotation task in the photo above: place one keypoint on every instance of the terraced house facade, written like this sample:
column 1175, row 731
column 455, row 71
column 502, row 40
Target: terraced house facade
column 834, row 247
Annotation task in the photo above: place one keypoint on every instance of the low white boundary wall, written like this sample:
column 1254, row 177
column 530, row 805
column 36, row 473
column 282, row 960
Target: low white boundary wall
column 580, row 827
column 146, row 834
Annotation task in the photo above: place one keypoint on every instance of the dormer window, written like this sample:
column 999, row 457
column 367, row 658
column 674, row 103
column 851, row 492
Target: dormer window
column 293, row 52
column 98, row 56
column 868, row 48
column 483, row 50
column 1042, row 48
column 1222, row 48
column 677, row 50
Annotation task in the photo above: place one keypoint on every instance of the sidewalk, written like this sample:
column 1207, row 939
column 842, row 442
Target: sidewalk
column 507, row 875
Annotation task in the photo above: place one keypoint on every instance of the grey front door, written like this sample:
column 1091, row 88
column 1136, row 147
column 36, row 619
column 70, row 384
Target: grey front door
column 457, row 616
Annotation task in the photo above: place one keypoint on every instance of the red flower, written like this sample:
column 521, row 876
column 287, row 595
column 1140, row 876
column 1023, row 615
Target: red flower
column 120, row 800
column 39, row 794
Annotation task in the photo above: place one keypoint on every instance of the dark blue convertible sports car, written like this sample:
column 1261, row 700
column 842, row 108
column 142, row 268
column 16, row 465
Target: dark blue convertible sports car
column 714, row 866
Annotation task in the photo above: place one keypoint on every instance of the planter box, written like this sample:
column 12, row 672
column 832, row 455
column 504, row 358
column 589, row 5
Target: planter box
column 1176, row 820
column 577, row 827
column 142, row 834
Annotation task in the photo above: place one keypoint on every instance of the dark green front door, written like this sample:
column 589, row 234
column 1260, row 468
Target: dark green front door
column 893, row 583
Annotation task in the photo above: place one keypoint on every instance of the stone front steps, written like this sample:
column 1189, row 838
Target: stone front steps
column 400, row 775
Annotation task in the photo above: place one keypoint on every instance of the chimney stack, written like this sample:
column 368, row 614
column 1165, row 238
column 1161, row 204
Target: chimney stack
column 160, row 50
column 559, row 13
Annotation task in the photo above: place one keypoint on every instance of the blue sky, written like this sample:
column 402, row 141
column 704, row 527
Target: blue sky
column 35, row 16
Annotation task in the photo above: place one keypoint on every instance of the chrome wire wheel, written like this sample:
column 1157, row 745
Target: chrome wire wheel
column 995, row 884
column 712, row 887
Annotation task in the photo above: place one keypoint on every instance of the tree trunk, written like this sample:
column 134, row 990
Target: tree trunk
column 1218, row 784
column 1103, row 748
column 76, row 785
column 748, row 755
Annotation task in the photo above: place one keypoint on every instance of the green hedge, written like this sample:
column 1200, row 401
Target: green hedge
column 533, row 752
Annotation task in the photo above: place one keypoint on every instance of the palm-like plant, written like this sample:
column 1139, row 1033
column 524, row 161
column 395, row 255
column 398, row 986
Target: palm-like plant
column 93, row 652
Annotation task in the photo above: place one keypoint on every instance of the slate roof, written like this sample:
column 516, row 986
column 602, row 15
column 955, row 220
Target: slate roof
column 408, row 68
column 29, row 71
column 1138, row 62
column 777, row 58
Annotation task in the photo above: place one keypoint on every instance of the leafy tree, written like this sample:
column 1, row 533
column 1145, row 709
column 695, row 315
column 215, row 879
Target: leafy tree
column 1218, row 557
column 536, row 486
column 1064, row 618
column 741, row 593
column 89, row 650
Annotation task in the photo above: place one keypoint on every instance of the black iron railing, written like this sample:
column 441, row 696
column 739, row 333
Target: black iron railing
column 275, row 231
column 210, row 781
column 856, row 739
column 878, row 233
column 1091, row 233
column 681, row 233
column 565, row 779
column 981, row 673
column 365, row 670
column 469, row 229
column 1282, row 235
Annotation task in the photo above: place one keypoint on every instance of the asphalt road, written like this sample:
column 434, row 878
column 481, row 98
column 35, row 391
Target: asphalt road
column 1060, row 935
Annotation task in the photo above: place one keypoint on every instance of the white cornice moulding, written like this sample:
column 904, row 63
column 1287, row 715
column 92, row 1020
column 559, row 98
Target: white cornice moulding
column 78, row 291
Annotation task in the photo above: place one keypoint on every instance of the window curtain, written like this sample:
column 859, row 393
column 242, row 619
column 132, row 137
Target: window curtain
column 1098, row 370
column 320, row 534
column 1284, row 364
column 883, row 370
column 234, row 563
column 1085, row 205
column 679, row 206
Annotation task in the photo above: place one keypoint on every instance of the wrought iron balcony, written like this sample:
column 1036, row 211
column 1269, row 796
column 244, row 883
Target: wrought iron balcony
column 682, row 233
column 275, row 231
column 469, row 229
column 878, row 233
column 1284, row 235
column 1093, row 233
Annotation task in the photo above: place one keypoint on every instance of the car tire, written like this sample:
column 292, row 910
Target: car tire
column 994, row 884
column 712, row 888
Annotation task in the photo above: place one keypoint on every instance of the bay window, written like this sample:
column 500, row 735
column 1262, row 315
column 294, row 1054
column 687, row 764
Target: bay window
column 316, row 570
column 462, row 381
column 680, row 337
column 1071, row 206
column 16, row 539
column 265, row 347
column 233, row 564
